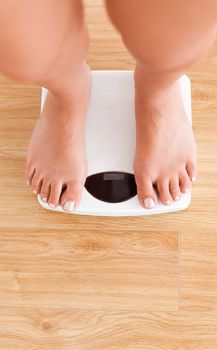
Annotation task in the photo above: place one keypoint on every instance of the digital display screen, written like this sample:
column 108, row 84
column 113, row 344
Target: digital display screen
column 113, row 176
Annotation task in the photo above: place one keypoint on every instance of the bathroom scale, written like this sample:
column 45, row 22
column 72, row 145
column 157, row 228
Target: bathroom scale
column 110, row 188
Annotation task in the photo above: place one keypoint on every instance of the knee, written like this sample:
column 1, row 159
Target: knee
column 37, row 62
column 143, row 40
column 23, row 66
column 35, row 48
column 157, row 40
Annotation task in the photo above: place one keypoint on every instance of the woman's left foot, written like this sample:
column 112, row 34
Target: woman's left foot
column 166, row 152
column 56, row 162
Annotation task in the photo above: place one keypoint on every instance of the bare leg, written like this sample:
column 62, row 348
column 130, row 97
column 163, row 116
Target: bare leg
column 166, row 38
column 45, row 41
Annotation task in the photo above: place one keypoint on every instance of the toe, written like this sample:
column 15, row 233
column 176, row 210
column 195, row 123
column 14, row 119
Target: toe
column 36, row 183
column 192, row 171
column 174, row 188
column 71, row 196
column 29, row 173
column 55, row 192
column 184, row 182
column 45, row 190
column 163, row 188
column 146, row 193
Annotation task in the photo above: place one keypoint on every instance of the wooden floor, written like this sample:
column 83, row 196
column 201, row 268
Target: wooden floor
column 92, row 283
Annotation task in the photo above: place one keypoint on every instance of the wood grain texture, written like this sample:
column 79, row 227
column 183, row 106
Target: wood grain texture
column 86, row 283
column 92, row 270
column 24, row 329
column 198, row 271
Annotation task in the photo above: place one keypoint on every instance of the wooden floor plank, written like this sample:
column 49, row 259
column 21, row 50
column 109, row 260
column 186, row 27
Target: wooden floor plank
column 25, row 329
column 113, row 270
column 104, row 279
column 198, row 271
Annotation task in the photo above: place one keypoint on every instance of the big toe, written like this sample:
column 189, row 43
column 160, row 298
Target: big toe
column 146, row 193
column 185, row 182
column 71, row 196
column 29, row 173
column 36, row 182
column 192, row 170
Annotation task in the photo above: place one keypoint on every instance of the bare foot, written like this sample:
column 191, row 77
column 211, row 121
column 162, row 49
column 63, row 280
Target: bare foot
column 165, row 147
column 56, row 162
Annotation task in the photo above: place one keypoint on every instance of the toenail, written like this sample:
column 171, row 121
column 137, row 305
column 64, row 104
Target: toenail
column 168, row 202
column 177, row 198
column 44, row 199
column 186, row 190
column 149, row 203
column 27, row 182
column 34, row 191
column 69, row 206
column 52, row 205
column 193, row 179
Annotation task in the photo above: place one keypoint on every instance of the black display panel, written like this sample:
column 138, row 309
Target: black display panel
column 111, row 186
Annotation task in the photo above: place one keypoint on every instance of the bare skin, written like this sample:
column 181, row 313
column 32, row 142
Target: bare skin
column 36, row 49
column 56, row 162
column 165, row 46
column 165, row 146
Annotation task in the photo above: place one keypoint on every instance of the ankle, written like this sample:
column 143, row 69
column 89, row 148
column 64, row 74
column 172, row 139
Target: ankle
column 74, row 81
column 153, row 87
column 68, row 97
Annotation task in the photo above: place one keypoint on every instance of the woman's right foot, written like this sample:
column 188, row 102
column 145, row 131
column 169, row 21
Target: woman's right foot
column 56, row 161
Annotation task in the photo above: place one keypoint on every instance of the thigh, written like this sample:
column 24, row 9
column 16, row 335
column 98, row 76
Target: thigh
column 180, row 29
column 36, row 30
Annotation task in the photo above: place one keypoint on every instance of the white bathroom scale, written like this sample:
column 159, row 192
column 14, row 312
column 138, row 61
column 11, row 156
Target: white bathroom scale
column 110, row 188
